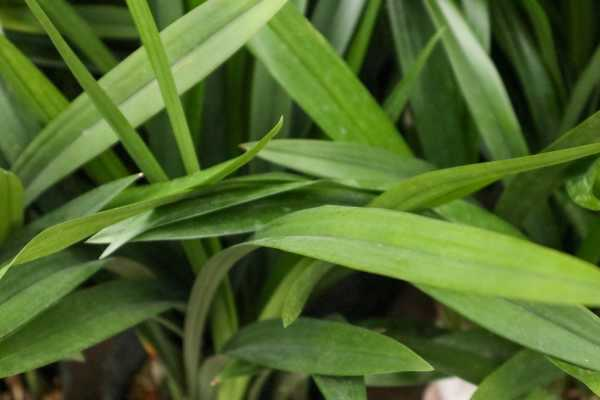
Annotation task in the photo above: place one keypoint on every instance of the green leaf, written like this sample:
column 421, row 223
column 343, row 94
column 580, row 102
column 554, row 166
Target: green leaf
column 536, row 82
column 352, row 164
column 322, row 347
column 480, row 83
column 121, row 233
column 296, row 55
column 11, row 204
column 132, row 141
column 45, row 102
column 446, row 139
column 61, row 236
column 582, row 188
column 423, row 250
column 357, row 49
column 77, row 30
column 396, row 101
column 527, row 191
column 30, row 290
column 468, row 213
column 301, row 288
column 79, row 133
column 19, row 125
column 477, row 14
column 341, row 388
column 80, row 321
column 583, row 89
column 438, row 187
column 337, row 21
column 365, row 167
column 543, row 32
column 157, row 55
column 251, row 216
column 86, row 204
column 518, row 376
column 106, row 21
column 591, row 379
column 470, row 355
column 566, row 332
column 30, row 85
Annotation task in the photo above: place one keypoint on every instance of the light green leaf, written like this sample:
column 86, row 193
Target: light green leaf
column 30, row 290
column 157, row 55
column 80, row 321
column 438, row 187
column 480, row 83
column 477, row 14
column 366, row 167
column 322, row 347
column 352, row 164
column 11, row 204
column 521, row 374
column 296, row 55
column 341, row 388
column 423, row 250
column 79, row 133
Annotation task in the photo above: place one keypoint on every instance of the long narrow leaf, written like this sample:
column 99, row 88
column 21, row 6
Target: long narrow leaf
column 322, row 347
column 134, row 144
column 11, row 204
column 296, row 56
column 157, row 55
column 79, row 321
column 79, row 133
column 70, row 232
column 480, row 82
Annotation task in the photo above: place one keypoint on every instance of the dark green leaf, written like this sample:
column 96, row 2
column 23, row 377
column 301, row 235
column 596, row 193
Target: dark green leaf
column 79, row 321
column 322, row 347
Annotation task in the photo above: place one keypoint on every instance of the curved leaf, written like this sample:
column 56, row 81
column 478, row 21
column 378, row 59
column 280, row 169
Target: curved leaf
column 322, row 347
column 423, row 250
